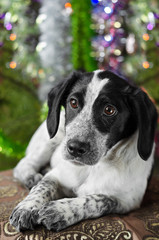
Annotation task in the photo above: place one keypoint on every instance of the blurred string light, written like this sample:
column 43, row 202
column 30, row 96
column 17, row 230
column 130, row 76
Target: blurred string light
column 12, row 64
column 150, row 26
column 108, row 38
column 146, row 64
column 146, row 36
column 94, row 2
column 150, row 23
column 8, row 26
column 108, row 10
column 68, row 5
column 12, row 36
column 117, row 52
column 117, row 24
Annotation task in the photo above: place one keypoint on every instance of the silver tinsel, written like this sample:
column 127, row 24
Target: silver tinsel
column 55, row 43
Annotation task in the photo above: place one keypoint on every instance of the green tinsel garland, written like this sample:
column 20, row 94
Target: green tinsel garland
column 82, row 34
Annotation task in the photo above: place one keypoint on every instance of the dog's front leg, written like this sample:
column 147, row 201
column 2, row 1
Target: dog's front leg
column 25, row 214
column 57, row 215
column 38, row 154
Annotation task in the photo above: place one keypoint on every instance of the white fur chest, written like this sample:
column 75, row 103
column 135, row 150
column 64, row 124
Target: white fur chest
column 122, row 182
column 99, row 181
column 124, row 176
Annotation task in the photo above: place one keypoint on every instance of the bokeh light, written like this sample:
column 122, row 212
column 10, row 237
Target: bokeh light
column 150, row 26
column 146, row 64
column 12, row 36
column 8, row 26
column 108, row 10
column 12, row 64
column 68, row 5
column 94, row 2
column 146, row 36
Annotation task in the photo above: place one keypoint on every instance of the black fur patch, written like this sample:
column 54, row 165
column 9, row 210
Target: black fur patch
column 124, row 123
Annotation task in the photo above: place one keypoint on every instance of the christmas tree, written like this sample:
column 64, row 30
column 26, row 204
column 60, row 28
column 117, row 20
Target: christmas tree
column 19, row 78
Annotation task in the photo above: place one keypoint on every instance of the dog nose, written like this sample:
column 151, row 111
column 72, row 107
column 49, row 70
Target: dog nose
column 77, row 148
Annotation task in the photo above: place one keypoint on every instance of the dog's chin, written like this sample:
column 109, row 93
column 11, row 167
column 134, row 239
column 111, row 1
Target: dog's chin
column 84, row 161
column 76, row 163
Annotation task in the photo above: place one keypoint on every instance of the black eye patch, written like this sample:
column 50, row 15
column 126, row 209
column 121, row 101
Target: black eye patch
column 118, row 121
column 104, row 115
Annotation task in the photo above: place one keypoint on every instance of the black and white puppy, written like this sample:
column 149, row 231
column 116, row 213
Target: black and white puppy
column 101, row 158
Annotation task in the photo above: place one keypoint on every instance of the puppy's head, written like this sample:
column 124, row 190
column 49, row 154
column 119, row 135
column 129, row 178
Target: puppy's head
column 101, row 109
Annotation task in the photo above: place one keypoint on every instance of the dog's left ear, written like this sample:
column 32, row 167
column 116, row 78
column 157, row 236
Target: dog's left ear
column 56, row 98
column 146, row 115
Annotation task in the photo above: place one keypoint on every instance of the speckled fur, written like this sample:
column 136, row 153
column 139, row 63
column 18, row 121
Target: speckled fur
column 105, row 180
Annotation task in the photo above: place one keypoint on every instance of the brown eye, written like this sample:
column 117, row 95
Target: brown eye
column 109, row 110
column 73, row 103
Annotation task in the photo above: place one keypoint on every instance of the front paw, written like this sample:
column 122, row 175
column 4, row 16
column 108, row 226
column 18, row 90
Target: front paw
column 27, row 175
column 22, row 218
column 32, row 180
column 55, row 216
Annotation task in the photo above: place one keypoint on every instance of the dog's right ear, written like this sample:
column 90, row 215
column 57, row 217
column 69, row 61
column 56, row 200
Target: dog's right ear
column 56, row 98
column 146, row 116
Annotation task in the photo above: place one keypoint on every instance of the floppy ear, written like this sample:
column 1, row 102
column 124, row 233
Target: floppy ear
column 56, row 98
column 146, row 116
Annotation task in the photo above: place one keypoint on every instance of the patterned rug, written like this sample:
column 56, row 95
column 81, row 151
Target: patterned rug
column 142, row 224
